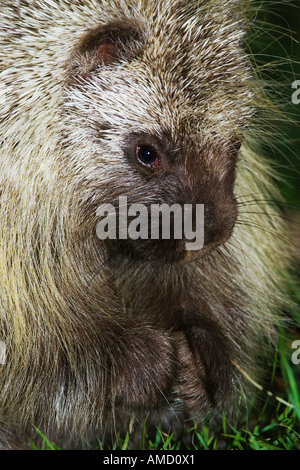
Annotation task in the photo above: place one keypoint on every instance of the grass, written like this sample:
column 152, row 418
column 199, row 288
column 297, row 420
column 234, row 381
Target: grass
column 275, row 427
column 280, row 433
column 272, row 426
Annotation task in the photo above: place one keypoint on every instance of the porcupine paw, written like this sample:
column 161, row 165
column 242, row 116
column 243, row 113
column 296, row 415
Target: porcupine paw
column 189, row 389
column 147, row 370
column 204, row 373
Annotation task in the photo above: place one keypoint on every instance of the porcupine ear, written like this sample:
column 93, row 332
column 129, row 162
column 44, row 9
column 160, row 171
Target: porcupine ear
column 109, row 44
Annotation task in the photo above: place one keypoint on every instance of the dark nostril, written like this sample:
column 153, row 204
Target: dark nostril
column 219, row 234
column 219, row 223
column 214, row 236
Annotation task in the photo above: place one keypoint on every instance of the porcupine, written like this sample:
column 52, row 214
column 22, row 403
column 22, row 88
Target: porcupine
column 97, row 330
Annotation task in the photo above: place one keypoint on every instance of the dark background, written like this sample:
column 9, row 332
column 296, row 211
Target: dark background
column 279, row 43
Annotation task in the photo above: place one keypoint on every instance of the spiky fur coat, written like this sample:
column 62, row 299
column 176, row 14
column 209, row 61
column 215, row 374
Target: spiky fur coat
column 96, row 331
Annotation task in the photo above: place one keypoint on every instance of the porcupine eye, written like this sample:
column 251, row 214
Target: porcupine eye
column 147, row 155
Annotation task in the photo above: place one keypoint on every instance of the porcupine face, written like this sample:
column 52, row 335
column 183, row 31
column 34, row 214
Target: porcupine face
column 158, row 103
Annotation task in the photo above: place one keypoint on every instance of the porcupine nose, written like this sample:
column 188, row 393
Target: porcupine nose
column 219, row 223
column 219, row 212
